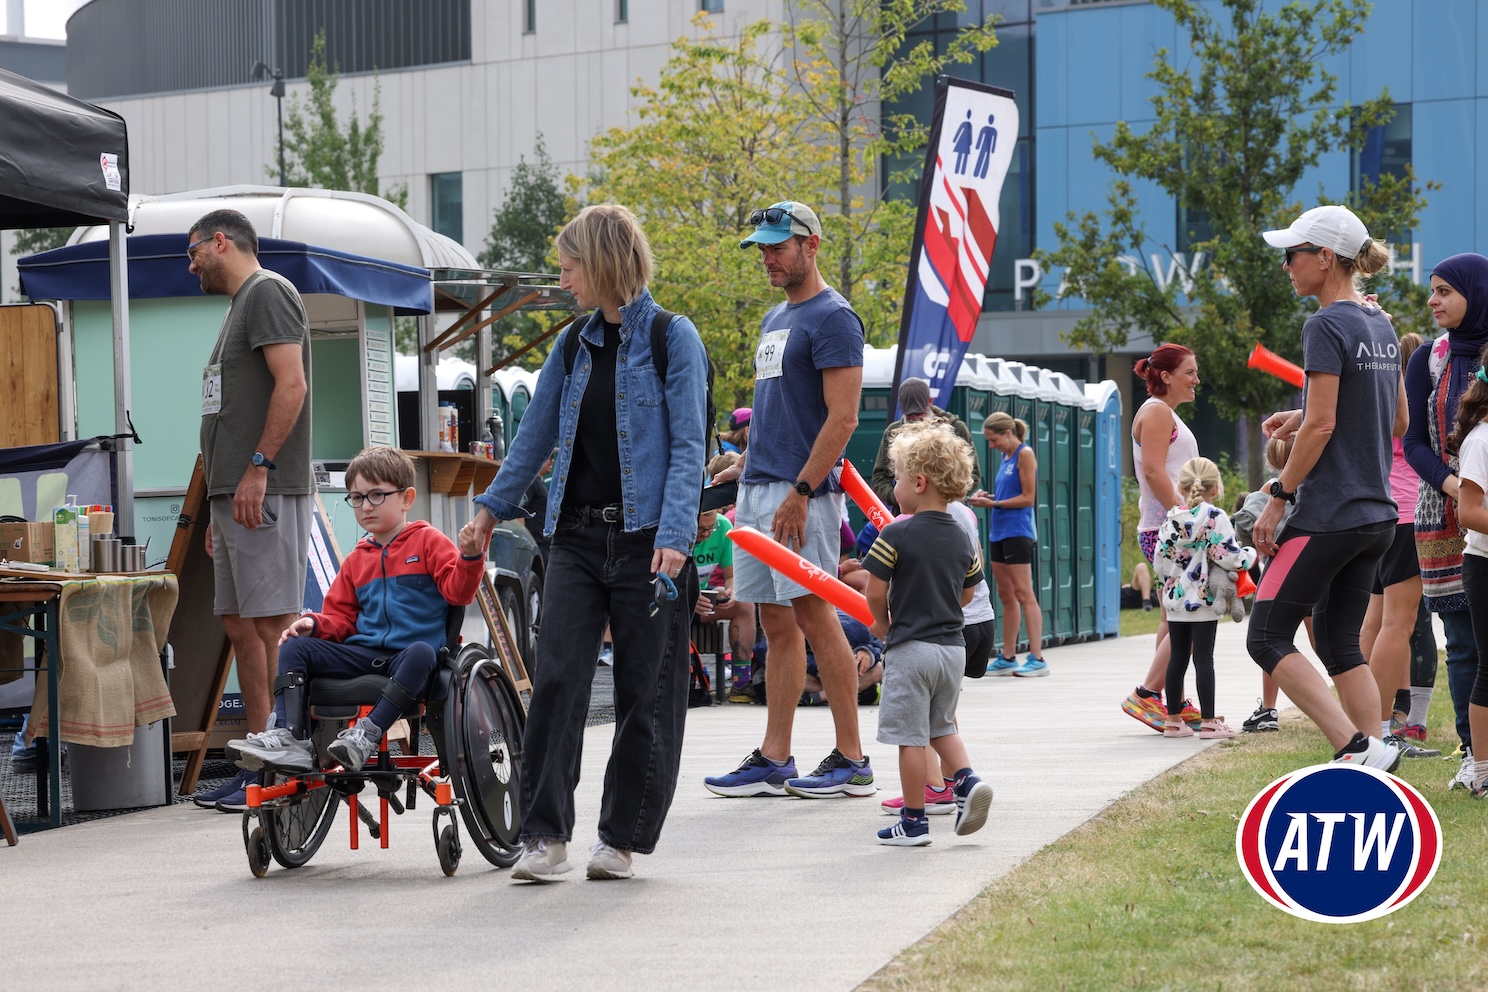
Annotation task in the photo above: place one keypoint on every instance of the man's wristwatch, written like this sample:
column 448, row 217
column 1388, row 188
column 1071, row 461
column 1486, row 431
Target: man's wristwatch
column 805, row 488
column 259, row 461
column 1279, row 493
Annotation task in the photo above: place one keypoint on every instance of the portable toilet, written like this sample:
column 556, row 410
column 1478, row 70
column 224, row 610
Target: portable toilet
column 1107, row 400
column 1066, row 400
column 1085, row 516
column 875, row 409
column 518, row 394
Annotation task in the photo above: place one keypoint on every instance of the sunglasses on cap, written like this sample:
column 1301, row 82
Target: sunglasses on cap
column 773, row 215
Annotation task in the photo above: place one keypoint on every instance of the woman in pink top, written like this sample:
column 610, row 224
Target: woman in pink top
column 1161, row 444
column 1391, row 618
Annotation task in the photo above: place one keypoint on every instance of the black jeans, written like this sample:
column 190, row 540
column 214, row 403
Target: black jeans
column 599, row 574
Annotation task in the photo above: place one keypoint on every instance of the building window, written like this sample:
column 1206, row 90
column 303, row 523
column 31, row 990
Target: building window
column 447, row 196
column 529, row 16
column 711, row 6
column 622, row 11
column 1386, row 150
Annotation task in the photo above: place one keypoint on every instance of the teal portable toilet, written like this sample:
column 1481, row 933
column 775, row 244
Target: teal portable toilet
column 1108, row 436
column 1084, row 510
column 1066, row 403
column 1036, row 408
column 874, row 411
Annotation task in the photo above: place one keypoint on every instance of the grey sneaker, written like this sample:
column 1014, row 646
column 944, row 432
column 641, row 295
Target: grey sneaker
column 610, row 862
column 353, row 746
column 1464, row 777
column 276, row 748
column 541, row 860
column 1410, row 749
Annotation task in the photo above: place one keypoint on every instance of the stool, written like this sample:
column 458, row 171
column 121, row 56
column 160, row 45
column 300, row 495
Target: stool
column 9, row 828
column 711, row 638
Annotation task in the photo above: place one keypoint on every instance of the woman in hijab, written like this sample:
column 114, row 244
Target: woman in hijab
column 1435, row 379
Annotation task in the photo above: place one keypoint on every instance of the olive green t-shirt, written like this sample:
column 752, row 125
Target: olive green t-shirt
column 266, row 310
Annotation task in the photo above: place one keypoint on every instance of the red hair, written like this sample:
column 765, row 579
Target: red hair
column 1167, row 358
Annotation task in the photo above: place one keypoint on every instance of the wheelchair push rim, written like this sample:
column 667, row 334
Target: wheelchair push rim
column 485, row 720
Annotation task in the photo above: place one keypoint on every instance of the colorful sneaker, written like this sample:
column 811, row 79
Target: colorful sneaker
column 906, row 833
column 1148, row 710
column 541, row 860
column 353, row 746
column 837, row 775
column 1192, row 715
column 757, row 776
column 276, row 748
column 937, row 802
column 1032, row 668
column 1464, row 777
column 973, row 799
column 609, row 862
column 1413, row 732
column 1265, row 718
column 1002, row 666
column 1376, row 754
column 1410, row 750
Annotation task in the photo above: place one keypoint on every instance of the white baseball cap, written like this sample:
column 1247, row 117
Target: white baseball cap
column 1332, row 227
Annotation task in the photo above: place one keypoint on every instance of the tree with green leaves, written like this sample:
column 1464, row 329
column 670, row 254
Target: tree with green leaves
column 322, row 154
column 852, row 58
column 1238, row 120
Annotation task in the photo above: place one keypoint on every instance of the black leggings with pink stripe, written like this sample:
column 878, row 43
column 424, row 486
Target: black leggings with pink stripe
column 1328, row 575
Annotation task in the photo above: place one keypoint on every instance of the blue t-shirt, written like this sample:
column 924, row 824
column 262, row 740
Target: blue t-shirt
column 1016, row 522
column 797, row 341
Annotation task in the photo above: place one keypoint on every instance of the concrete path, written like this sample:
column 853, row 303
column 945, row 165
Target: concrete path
column 742, row 894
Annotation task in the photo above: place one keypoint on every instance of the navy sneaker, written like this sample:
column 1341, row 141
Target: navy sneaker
column 973, row 799
column 906, row 832
column 237, row 800
column 837, row 775
column 757, row 776
column 238, row 783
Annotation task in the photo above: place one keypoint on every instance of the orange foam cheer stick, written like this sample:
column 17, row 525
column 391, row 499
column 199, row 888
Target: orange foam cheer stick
column 793, row 566
column 1244, row 584
column 863, row 495
column 1267, row 360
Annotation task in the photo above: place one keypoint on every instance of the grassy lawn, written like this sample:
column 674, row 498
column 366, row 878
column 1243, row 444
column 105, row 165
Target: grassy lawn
column 1135, row 623
column 1148, row 895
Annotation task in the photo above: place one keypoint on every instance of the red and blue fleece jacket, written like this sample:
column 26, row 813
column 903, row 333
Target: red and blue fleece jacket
column 389, row 597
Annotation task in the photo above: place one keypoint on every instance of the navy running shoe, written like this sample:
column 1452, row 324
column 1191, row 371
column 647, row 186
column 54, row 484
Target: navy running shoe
column 757, row 776
column 973, row 800
column 906, row 832
column 837, row 775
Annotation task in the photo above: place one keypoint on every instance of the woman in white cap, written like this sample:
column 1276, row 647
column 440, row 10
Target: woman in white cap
column 1338, row 477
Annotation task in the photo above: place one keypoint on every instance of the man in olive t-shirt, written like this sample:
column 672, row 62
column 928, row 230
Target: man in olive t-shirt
column 255, row 442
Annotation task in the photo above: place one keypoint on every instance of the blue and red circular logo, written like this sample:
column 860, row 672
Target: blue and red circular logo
column 1339, row 843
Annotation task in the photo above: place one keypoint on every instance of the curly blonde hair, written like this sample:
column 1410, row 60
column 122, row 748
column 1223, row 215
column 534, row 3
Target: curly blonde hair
column 932, row 449
column 1198, row 480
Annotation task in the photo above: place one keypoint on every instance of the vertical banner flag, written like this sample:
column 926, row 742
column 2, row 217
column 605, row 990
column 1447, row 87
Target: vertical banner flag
column 972, row 140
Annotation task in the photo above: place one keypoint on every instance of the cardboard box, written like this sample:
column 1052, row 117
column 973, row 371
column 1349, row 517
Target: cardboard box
column 28, row 542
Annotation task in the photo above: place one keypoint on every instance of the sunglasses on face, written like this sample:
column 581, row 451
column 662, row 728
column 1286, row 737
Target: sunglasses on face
column 772, row 215
column 1301, row 251
column 373, row 496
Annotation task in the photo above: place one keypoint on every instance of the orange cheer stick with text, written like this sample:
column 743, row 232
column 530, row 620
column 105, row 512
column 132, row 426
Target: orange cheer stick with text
column 863, row 495
column 793, row 566
column 1267, row 360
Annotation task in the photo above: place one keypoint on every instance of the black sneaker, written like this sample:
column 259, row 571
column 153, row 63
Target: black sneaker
column 1263, row 719
column 1410, row 749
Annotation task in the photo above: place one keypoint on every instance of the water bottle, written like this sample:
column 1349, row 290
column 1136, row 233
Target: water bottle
column 497, row 430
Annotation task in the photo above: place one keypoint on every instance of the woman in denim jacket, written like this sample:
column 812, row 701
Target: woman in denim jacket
column 622, row 510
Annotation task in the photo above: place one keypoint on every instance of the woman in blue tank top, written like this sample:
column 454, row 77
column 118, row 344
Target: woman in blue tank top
column 1012, row 538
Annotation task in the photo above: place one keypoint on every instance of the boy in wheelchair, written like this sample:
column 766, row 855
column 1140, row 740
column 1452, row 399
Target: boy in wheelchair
column 384, row 614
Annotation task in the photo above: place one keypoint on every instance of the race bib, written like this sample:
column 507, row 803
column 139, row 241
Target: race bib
column 212, row 389
column 769, row 358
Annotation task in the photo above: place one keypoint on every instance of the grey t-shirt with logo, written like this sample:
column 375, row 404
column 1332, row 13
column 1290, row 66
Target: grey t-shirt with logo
column 266, row 310
column 1349, row 487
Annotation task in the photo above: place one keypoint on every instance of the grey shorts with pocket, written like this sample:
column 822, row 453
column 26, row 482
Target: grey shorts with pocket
column 921, row 685
column 756, row 582
column 261, row 572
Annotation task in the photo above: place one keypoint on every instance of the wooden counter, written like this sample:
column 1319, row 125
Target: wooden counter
column 452, row 473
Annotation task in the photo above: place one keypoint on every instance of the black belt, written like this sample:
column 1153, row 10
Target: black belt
column 585, row 515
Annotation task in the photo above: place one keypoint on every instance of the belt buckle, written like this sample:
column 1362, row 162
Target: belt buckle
column 611, row 514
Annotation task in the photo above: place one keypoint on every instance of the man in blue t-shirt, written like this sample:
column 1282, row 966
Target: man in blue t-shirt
column 808, row 377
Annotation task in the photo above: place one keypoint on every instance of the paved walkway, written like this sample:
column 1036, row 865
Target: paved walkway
column 743, row 894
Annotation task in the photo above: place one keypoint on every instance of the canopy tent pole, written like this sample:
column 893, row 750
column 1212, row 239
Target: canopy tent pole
column 123, row 399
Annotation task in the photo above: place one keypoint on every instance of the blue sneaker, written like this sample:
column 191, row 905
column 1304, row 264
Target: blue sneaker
column 906, row 832
column 837, row 775
column 235, row 787
column 1032, row 668
column 757, row 776
column 973, row 800
column 1002, row 666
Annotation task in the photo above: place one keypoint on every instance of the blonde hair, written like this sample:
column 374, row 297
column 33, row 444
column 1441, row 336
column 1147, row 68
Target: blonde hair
column 721, row 461
column 608, row 243
column 1001, row 423
column 933, row 450
column 381, row 464
column 1277, row 453
column 1408, row 345
column 1372, row 258
column 1199, row 479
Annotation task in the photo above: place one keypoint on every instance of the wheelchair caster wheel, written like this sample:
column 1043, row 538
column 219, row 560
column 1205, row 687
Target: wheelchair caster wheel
column 258, row 853
column 448, row 846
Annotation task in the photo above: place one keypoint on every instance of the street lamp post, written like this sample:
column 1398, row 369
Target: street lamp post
column 260, row 72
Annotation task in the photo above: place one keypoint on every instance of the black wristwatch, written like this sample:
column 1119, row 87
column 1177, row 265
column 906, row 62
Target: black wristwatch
column 259, row 461
column 805, row 488
column 1279, row 493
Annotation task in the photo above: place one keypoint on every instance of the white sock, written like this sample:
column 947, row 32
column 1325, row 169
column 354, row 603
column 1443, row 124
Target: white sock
column 1420, row 703
column 1384, row 729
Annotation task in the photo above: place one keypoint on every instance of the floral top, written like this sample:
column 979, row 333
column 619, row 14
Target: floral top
column 1189, row 542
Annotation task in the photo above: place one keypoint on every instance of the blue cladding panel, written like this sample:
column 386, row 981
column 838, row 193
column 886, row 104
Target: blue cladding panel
column 1051, row 72
column 1447, row 226
column 1380, row 56
column 1444, row 35
column 1095, row 67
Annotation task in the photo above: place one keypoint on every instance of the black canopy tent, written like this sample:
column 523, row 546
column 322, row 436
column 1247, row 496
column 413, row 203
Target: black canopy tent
column 65, row 163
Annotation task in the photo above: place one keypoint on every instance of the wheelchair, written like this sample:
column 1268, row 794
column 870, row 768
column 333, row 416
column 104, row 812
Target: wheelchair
column 475, row 717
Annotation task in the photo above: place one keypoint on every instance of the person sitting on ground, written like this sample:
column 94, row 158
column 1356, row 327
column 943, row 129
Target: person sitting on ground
column 391, row 597
column 867, row 654
column 714, row 556
column 1137, row 595
column 925, row 571
column 915, row 407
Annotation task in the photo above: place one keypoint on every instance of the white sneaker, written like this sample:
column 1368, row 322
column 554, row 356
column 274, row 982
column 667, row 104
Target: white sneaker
column 541, row 860
column 276, row 748
column 610, row 862
column 1377, row 754
column 1464, row 777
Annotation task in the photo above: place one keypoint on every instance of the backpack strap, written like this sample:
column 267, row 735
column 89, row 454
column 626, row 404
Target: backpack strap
column 659, row 325
column 571, row 344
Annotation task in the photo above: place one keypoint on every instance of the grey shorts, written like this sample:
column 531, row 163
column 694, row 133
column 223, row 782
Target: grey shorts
column 756, row 582
column 261, row 573
column 921, row 684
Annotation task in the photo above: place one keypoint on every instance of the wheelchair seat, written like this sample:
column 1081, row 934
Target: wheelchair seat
column 343, row 699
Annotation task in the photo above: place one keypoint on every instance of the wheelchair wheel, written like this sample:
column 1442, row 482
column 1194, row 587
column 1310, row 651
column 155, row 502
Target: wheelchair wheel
column 483, row 726
column 258, row 853
column 296, row 829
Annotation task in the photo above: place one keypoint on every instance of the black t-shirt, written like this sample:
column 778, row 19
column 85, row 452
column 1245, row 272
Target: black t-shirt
column 594, row 474
column 927, row 561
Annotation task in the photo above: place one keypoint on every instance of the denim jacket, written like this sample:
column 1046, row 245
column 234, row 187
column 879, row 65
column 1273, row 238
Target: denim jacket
column 662, row 435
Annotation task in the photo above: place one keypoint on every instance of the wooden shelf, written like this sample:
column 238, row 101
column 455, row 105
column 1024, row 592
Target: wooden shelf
column 452, row 473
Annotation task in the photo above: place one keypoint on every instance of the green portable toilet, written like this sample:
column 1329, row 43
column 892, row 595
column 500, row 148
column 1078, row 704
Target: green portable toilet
column 1066, row 403
column 874, row 411
column 1086, row 484
column 1034, row 410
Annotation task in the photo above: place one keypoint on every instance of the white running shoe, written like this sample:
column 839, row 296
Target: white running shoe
column 541, row 860
column 1464, row 777
column 610, row 862
column 1377, row 754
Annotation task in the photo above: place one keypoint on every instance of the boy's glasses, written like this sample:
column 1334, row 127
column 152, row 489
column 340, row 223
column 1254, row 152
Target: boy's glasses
column 771, row 215
column 1301, row 251
column 373, row 496
column 663, row 591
